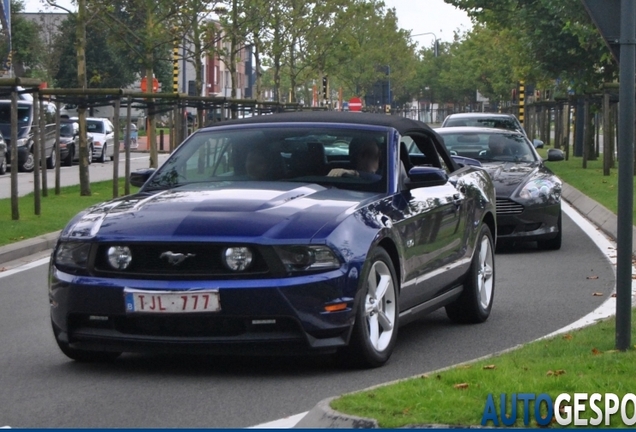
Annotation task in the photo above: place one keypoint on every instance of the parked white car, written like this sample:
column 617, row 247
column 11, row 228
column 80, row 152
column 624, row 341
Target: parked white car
column 103, row 133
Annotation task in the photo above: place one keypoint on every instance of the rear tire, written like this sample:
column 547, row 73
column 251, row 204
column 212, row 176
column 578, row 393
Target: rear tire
column 3, row 165
column 375, row 330
column 553, row 243
column 475, row 302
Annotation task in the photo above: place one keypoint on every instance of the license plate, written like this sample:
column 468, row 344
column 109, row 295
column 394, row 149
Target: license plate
column 138, row 301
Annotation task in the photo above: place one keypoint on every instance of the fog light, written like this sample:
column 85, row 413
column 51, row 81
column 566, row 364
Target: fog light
column 119, row 257
column 237, row 258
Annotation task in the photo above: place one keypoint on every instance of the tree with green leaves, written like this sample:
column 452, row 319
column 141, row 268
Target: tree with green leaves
column 27, row 45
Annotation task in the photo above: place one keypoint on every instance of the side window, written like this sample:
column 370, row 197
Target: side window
column 49, row 112
column 211, row 160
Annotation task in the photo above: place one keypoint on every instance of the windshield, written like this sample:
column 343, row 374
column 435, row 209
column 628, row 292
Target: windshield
column 347, row 158
column 66, row 130
column 24, row 113
column 498, row 123
column 94, row 126
column 489, row 146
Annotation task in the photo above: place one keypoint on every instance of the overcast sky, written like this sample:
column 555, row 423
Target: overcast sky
column 419, row 16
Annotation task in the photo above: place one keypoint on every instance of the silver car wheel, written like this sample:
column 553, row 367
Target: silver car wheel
column 486, row 273
column 380, row 306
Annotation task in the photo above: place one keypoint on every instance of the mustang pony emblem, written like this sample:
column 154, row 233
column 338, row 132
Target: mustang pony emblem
column 176, row 258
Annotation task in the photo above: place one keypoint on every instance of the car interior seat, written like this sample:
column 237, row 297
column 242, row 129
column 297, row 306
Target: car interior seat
column 310, row 161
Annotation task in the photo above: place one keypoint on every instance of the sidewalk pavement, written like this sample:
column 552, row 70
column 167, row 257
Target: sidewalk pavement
column 322, row 415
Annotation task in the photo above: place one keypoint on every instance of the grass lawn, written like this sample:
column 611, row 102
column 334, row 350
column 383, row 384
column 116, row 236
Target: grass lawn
column 582, row 361
column 56, row 211
column 590, row 181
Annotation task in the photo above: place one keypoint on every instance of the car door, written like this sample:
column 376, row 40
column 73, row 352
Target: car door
column 50, row 113
column 109, row 134
column 433, row 230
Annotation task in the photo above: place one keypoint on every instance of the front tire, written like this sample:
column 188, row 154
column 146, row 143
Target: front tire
column 68, row 161
column 475, row 302
column 102, row 157
column 28, row 165
column 375, row 330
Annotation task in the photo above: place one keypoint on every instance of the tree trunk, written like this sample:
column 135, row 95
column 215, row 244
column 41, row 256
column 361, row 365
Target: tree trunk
column 80, row 35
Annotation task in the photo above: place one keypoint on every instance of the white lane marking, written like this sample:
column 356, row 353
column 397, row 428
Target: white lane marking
column 25, row 267
column 284, row 423
column 608, row 248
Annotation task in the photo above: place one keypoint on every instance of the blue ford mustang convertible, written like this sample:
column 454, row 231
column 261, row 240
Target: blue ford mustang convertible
column 288, row 233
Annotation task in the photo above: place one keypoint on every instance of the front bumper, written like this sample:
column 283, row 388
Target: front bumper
column 23, row 154
column 528, row 223
column 267, row 316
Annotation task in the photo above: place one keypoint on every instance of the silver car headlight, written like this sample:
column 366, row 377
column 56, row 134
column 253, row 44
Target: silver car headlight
column 21, row 142
column 237, row 258
column 305, row 258
column 541, row 189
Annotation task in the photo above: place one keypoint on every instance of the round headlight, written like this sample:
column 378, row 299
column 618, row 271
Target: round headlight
column 119, row 257
column 237, row 258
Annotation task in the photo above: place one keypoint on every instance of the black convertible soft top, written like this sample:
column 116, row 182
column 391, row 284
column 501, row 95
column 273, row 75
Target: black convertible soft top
column 401, row 124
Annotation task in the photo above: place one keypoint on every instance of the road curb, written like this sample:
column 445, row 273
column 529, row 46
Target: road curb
column 28, row 247
column 325, row 417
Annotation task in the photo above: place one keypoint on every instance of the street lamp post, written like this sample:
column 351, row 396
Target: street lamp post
column 435, row 42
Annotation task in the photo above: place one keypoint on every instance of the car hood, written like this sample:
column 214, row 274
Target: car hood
column 229, row 211
column 508, row 176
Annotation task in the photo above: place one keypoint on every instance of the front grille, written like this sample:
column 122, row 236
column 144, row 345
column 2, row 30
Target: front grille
column 204, row 260
column 506, row 207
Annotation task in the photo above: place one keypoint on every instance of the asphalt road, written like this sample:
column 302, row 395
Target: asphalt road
column 537, row 292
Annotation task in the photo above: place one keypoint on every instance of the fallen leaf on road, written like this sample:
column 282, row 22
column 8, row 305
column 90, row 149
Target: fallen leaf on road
column 461, row 386
column 598, row 294
column 592, row 277
column 614, row 295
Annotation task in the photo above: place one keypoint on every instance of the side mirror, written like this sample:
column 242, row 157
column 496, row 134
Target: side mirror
column 138, row 178
column 537, row 143
column 555, row 155
column 423, row 176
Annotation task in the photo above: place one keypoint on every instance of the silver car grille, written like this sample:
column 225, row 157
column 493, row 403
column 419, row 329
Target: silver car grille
column 506, row 207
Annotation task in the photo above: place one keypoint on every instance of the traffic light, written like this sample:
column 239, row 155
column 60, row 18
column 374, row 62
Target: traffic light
column 324, row 87
column 436, row 48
